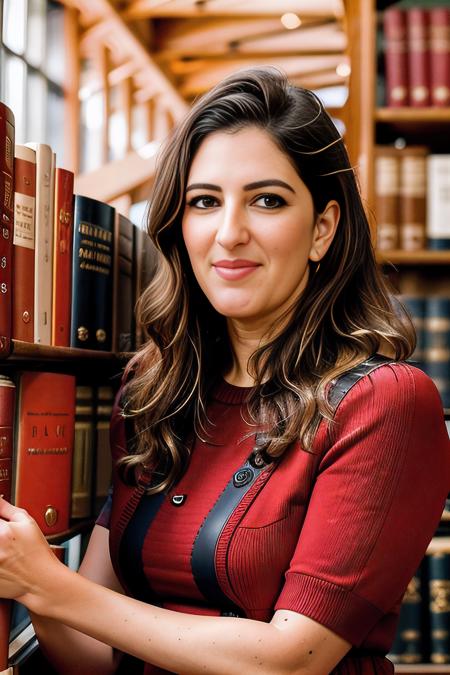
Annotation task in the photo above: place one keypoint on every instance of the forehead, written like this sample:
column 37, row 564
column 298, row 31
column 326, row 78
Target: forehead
column 247, row 150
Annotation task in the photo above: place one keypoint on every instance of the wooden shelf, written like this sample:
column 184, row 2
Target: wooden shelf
column 414, row 257
column 413, row 115
column 422, row 668
column 30, row 351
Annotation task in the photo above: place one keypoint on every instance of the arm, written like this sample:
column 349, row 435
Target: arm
column 182, row 643
column 70, row 651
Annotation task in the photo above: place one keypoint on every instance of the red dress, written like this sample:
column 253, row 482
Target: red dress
column 334, row 534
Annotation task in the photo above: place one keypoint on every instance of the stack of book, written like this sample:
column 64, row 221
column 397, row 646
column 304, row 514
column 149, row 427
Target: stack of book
column 417, row 56
column 423, row 632
column 412, row 193
column 430, row 313
column 54, row 453
column 69, row 273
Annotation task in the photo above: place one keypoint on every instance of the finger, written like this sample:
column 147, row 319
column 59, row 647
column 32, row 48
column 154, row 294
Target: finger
column 12, row 513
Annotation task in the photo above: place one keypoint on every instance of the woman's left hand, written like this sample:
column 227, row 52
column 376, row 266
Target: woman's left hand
column 26, row 561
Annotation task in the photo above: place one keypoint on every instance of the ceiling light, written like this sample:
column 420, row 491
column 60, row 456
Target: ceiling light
column 291, row 20
column 343, row 70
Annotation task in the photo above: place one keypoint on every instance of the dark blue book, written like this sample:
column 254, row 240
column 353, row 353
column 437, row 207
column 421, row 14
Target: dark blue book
column 437, row 344
column 409, row 644
column 92, row 274
column 439, row 587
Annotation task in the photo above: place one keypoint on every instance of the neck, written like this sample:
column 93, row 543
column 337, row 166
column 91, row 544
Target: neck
column 244, row 342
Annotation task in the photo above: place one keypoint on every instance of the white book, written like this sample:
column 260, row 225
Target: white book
column 43, row 259
column 438, row 202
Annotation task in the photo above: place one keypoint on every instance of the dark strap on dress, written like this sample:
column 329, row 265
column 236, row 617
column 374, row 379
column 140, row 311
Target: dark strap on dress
column 342, row 385
column 203, row 552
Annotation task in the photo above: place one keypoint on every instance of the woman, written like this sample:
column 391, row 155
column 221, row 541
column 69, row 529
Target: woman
column 274, row 457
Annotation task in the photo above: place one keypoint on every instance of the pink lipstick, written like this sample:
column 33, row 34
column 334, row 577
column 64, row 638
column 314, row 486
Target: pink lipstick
column 232, row 270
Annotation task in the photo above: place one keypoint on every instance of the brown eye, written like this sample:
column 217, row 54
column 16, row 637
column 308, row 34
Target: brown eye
column 203, row 202
column 270, row 201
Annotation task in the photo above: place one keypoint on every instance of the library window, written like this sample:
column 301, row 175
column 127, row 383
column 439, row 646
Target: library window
column 33, row 69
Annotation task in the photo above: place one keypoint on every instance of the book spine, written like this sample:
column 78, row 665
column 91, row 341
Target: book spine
column 125, row 297
column 438, row 202
column 413, row 203
column 83, row 453
column 92, row 274
column 387, row 189
column 396, row 62
column 7, row 224
column 62, row 258
column 419, row 57
column 7, row 403
column 43, row 261
column 44, row 448
column 23, row 243
column 437, row 345
column 416, row 307
column 439, row 580
column 408, row 643
column 104, row 406
column 440, row 56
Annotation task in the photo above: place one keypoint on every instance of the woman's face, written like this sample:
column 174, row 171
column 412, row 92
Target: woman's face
column 249, row 226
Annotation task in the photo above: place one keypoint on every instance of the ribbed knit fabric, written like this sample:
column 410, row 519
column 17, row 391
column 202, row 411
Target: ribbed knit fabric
column 334, row 534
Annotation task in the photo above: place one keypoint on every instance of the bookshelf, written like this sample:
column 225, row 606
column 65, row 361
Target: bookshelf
column 372, row 124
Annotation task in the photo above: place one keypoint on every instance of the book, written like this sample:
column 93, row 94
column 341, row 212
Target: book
column 417, row 20
column 413, row 198
column 440, row 56
column 124, row 299
column 23, row 243
column 387, row 196
column 83, row 453
column 92, row 274
column 408, row 645
column 439, row 588
column 103, row 464
column 438, row 202
column 396, row 61
column 7, row 224
column 412, row 295
column 437, row 344
column 44, row 448
column 145, row 257
column 62, row 258
column 7, row 404
column 43, row 260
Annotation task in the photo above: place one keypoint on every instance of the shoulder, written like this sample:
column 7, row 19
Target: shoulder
column 394, row 383
column 395, row 400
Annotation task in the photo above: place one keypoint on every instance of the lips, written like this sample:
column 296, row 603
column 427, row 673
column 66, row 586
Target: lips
column 233, row 270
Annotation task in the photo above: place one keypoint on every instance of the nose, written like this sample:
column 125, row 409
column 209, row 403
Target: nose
column 232, row 228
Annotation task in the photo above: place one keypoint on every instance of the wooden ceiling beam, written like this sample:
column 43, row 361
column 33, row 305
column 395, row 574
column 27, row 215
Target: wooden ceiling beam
column 197, row 83
column 139, row 55
column 147, row 9
column 116, row 178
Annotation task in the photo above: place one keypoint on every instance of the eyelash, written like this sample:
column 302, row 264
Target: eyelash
column 195, row 201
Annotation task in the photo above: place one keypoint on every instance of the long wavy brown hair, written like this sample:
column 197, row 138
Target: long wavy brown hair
column 344, row 315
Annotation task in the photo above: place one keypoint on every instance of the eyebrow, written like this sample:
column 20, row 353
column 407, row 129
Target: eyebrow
column 250, row 186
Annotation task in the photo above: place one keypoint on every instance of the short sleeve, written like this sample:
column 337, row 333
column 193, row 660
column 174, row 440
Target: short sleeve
column 375, row 505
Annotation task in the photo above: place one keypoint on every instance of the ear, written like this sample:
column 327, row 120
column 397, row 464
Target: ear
column 324, row 230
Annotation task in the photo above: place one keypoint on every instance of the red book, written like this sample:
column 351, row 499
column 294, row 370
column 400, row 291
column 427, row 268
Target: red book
column 396, row 61
column 6, row 224
column 7, row 400
column 23, row 243
column 418, row 57
column 44, row 448
column 440, row 56
column 62, row 258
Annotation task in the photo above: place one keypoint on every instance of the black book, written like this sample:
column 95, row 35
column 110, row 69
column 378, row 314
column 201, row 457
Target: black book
column 92, row 274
